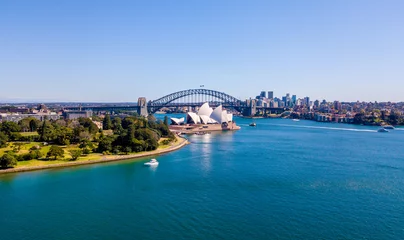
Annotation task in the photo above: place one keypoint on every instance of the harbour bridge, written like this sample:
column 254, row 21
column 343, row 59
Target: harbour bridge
column 190, row 98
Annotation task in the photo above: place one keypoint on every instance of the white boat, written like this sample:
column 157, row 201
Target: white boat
column 382, row 130
column 152, row 162
column 253, row 124
column 388, row 127
column 296, row 120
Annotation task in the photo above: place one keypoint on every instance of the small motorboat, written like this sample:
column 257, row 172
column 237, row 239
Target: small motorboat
column 296, row 120
column 382, row 130
column 388, row 127
column 253, row 124
column 152, row 162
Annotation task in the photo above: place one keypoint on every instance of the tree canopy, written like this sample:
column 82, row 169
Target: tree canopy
column 55, row 151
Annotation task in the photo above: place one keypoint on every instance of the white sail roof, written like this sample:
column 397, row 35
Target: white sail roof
column 193, row 118
column 217, row 114
column 177, row 121
column 205, row 119
column 205, row 110
column 230, row 117
column 224, row 116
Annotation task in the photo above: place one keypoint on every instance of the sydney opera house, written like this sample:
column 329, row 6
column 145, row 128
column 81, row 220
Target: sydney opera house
column 206, row 118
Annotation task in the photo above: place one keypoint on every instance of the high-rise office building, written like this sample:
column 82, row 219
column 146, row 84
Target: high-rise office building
column 307, row 101
column 270, row 94
column 263, row 94
column 294, row 99
column 317, row 103
column 284, row 100
column 337, row 105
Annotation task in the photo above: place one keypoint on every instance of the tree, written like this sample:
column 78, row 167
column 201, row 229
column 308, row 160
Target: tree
column 55, row 151
column 106, row 123
column 10, row 127
column 88, row 125
column 96, row 118
column 117, row 125
column 127, row 150
column 394, row 118
column 151, row 117
column 3, row 140
column 17, row 147
column 36, row 154
column 76, row 153
column 105, row 144
column 8, row 160
column 33, row 125
column 166, row 121
column 127, row 121
column 46, row 131
column 63, row 135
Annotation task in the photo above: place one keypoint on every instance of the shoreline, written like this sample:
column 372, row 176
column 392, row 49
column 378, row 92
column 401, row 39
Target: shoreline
column 103, row 158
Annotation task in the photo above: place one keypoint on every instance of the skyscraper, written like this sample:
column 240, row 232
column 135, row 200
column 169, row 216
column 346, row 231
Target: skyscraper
column 263, row 94
column 270, row 94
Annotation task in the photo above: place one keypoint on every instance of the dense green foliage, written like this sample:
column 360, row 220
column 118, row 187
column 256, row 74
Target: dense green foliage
column 131, row 134
column 106, row 123
column 75, row 154
column 134, row 134
column 8, row 160
column 3, row 140
column 55, row 151
column 64, row 133
column 376, row 118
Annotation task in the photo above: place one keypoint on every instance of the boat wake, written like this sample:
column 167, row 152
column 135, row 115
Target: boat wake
column 328, row 128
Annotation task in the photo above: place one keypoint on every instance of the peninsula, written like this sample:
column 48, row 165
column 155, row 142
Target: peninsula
column 31, row 144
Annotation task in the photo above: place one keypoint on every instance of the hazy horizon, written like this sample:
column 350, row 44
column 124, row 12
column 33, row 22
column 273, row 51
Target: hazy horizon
column 104, row 51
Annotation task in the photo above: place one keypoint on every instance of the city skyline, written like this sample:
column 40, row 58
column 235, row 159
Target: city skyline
column 104, row 52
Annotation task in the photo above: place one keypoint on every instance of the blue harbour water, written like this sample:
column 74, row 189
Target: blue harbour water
column 279, row 180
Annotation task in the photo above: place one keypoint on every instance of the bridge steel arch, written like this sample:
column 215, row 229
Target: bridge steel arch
column 166, row 100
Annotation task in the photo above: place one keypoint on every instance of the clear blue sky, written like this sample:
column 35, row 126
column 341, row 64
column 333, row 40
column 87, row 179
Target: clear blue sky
column 119, row 50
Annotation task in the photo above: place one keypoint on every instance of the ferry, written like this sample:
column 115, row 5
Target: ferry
column 152, row 162
column 382, row 130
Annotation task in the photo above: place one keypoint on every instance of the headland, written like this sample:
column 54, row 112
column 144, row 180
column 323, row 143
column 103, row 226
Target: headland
column 181, row 142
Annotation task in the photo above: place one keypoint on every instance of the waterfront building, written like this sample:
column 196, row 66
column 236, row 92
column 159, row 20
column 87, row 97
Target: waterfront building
column 18, row 117
column 205, row 115
column 177, row 121
column 77, row 114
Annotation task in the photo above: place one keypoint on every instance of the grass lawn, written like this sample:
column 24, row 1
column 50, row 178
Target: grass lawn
column 29, row 134
column 66, row 158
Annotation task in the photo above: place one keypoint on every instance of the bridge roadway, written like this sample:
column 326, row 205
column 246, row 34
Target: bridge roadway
column 190, row 98
column 154, row 108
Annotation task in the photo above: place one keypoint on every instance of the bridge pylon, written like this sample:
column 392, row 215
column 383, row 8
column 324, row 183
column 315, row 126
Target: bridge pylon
column 142, row 107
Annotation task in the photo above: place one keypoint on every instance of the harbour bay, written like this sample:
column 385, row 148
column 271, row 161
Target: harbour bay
column 279, row 180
